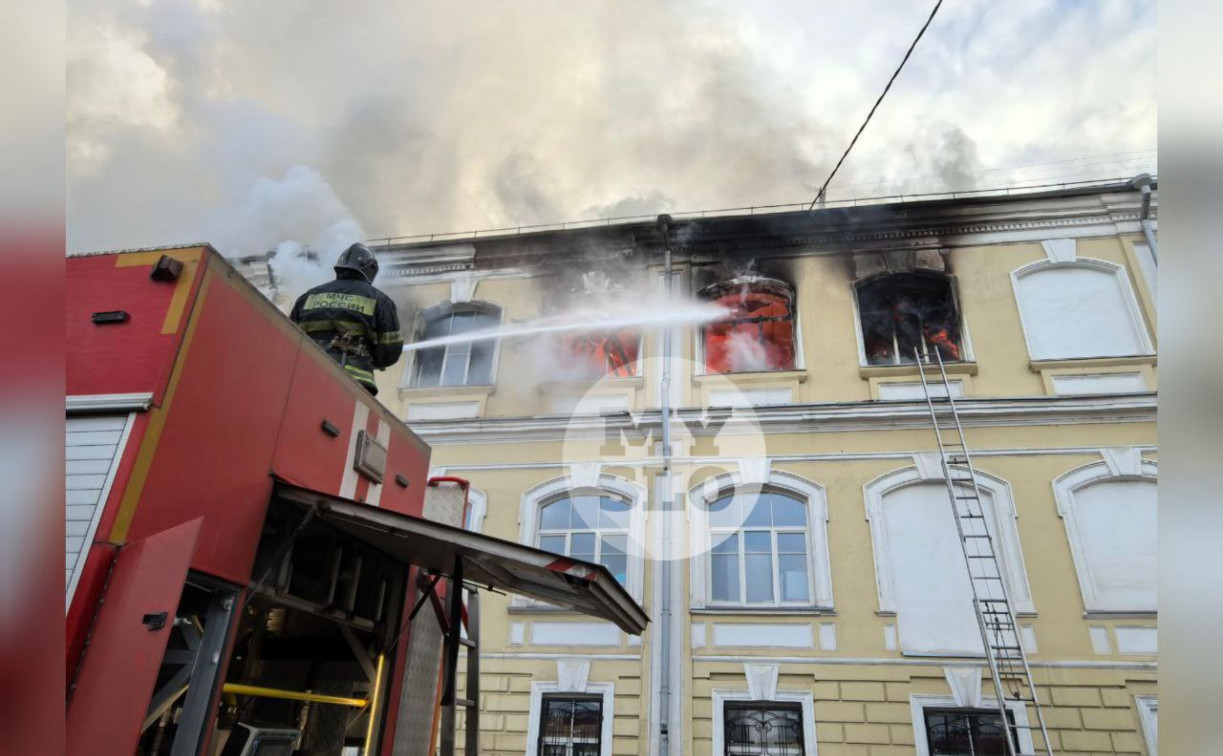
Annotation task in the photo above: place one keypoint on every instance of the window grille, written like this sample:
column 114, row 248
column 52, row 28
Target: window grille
column 571, row 726
column 763, row 729
column 966, row 732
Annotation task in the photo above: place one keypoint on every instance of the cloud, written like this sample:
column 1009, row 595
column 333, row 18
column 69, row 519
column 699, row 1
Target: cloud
column 427, row 118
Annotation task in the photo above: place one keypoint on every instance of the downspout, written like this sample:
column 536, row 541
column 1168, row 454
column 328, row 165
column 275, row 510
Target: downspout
column 1142, row 182
column 664, row 624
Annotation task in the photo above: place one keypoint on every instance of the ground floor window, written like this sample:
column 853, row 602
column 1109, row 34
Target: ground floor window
column 760, row 729
column 571, row 726
column 966, row 732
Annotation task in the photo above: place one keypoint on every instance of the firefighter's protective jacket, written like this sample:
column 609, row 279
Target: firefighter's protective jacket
column 355, row 322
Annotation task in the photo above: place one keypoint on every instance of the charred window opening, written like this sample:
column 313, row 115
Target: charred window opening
column 600, row 354
column 759, row 333
column 458, row 363
column 909, row 313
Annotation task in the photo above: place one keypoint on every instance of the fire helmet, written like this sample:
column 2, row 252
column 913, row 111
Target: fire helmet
column 358, row 259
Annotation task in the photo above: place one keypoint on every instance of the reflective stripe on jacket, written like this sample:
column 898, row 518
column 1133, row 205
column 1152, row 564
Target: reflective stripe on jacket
column 350, row 311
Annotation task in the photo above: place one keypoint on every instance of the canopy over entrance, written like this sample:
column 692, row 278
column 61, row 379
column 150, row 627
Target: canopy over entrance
column 510, row 567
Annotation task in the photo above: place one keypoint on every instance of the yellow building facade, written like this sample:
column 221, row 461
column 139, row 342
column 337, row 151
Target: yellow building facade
column 805, row 586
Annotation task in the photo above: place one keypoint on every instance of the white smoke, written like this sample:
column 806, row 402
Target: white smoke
column 745, row 353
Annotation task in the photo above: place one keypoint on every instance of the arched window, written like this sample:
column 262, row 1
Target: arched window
column 1080, row 309
column 919, row 562
column 593, row 528
column 904, row 314
column 759, row 335
column 459, row 363
column 760, row 545
column 600, row 523
column 1111, row 522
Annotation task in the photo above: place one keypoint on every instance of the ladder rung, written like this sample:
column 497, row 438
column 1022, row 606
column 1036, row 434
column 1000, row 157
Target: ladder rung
column 467, row 642
column 466, row 703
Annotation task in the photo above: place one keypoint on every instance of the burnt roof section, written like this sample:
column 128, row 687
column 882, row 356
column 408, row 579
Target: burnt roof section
column 912, row 223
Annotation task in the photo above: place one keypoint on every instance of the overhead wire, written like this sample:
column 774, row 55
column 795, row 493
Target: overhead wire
column 820, row 194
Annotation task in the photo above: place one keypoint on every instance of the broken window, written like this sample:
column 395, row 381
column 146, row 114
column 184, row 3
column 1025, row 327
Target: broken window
column 458, row 363
column 906, row 314
column 759, row 333
column 606, row 353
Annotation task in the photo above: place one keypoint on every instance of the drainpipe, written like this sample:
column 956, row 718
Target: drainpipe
column 664, row 624
column 1142, row 182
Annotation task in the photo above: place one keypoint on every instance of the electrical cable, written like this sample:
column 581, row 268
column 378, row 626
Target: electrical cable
column 820, row 194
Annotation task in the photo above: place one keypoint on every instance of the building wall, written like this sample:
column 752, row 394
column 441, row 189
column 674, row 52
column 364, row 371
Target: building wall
column 835, row 433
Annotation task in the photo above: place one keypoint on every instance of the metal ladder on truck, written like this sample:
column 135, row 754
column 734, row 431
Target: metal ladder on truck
column 1008, row 663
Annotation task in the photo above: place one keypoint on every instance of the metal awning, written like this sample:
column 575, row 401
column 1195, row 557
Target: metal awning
column 542, row 575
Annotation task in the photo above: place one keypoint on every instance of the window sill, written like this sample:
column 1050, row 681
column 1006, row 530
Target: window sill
column 1093, row 362
column 771, row 611
column 1104, row 614
column 449, row 392
column 771, row 376
column 882, row 371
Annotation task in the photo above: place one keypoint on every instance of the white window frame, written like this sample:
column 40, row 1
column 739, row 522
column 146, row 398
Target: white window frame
column 1064, row 488
column 804, row 698
column 1148, row 715
column 545, row 493
column 1005, row 531
column 819, row 571
column 965, row 340
column 918, row 703
column 449, row 310
column 538, row 689
column 1127, row 297
column 477, row 508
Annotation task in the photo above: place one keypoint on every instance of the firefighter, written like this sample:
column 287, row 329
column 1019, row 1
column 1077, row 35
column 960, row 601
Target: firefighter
column 355, row 322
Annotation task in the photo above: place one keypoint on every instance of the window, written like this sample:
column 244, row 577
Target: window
column 571, row 726
column 919, row 560
column 589, row 515
column 944, row 727
column 1111, row 522
column 598, row 354
column 1078, row 310
column 588, row 527
column 760, row 729
column 967, row 732
column 459, row 363
column 903, row 314
column 764, row 544
column 759, row 335
column 759, row 550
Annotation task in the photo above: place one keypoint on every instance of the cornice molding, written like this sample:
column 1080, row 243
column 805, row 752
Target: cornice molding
column 835, row 417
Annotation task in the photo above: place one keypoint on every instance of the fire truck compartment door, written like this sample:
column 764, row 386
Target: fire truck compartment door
column 119, row 667
column 571, row 583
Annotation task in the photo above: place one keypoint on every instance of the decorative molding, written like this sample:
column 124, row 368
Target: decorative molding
column 1123, row 461
column 889, row 636
column 463, row 289
column 1027, row 636
column 883, row 661
column 517, row 633
column 754, row 471
column 830, row 417
column 574, row 634
column 585, row 474
column 1137, row 640
column 761, row 681
column 1060, row 250
column 571, row 676
column 929, row 465
column 697, row 631
column 733, row 635
column 965, row 685
column 828, row 636
column 1100, row 644
column 1148, row 714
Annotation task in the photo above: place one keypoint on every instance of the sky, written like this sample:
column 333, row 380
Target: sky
column 255, row 123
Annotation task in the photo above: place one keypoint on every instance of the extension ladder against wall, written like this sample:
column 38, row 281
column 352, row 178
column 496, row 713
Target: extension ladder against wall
column 1008, row 663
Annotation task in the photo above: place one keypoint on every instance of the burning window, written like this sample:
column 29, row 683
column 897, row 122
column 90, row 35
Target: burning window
column 457, row 362
column 603, row 353
column 908, row 313
column 758, row 335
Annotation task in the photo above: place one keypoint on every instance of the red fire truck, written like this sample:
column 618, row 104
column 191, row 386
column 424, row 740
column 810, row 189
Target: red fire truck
column 256, row 562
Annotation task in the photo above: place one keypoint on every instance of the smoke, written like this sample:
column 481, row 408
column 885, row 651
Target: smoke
column 745, row 353
column 421, row 117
